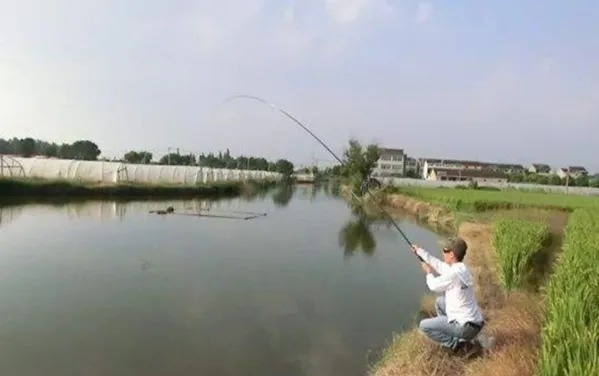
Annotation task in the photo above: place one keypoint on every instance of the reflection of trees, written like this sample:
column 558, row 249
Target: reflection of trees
column 283, row 195
column 356, row 234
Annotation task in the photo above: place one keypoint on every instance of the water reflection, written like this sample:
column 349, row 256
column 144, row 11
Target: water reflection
column 282, row 196
column 357, row 234
column 9, row 214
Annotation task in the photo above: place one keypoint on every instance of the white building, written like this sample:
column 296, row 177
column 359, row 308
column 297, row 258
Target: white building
column 573, row 171
column 392, row 162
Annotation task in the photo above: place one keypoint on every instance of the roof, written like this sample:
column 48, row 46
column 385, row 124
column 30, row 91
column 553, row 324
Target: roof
column 474, row 163
column 389, row 151
column 574, row 169
column 470, row 173
column 577, row 168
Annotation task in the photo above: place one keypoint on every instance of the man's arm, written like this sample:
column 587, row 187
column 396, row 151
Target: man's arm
column 440, row 283
column 439, row 266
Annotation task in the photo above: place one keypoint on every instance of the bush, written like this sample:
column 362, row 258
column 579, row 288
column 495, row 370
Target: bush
column 516, row 243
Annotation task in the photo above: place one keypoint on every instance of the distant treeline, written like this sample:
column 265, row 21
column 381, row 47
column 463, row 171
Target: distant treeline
column 89, row 151
column 553, row 179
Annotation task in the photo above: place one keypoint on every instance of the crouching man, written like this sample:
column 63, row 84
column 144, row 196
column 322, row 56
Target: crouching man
column 459, row 319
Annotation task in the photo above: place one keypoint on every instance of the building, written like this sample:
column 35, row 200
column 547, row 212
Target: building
column 540, row 168
column 474, row 175
column 391, row 163
column 454, row 164
column 572, row 171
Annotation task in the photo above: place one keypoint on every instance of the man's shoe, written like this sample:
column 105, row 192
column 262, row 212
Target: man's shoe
column 486, row 342
column 467, row 350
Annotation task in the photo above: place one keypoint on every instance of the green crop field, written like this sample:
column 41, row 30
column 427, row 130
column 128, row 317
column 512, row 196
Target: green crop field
column 517, row 242
column 570, row 333
column 481, row 200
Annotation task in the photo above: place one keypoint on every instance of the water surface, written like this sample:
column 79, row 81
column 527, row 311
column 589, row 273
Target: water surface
column 105, row 288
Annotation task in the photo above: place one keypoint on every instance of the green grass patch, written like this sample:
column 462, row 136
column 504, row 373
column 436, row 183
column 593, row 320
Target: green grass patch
column 570, row 333
column 517, row 242
column 478, row 200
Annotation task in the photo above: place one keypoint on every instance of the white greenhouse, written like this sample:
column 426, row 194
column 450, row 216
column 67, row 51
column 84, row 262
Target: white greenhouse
column 114, row 172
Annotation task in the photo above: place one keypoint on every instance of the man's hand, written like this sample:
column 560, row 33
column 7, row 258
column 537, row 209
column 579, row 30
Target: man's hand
column 414, row 248
column 426, row 268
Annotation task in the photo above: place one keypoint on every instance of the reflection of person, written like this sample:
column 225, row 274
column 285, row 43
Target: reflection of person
column 459, row 318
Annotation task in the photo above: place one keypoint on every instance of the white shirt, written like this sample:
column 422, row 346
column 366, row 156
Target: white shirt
column 457, row 283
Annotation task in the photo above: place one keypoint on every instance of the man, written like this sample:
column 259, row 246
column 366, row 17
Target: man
column 459, row 319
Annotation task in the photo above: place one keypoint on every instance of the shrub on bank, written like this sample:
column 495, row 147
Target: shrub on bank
column 570, row 333
column 517, row 242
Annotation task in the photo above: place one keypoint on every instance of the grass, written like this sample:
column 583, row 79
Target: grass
column 517, row 242
column 63, row 188
column 479, row 200
column 570, row 333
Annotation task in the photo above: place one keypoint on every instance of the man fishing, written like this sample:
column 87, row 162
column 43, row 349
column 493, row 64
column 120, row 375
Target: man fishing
column 459, row 319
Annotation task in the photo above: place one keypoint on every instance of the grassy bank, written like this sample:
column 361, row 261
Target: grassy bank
column 484, row 200
column 570, row 334
column 12, row 188
column 506, row 239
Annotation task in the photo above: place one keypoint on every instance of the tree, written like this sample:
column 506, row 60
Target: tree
column 85, row 150
column 555, row 180
column 581, row 181
column 359, row 162
column 284, row 167
column 138, row 157
column 26, row 147
column 178, row 159
column 411, row 173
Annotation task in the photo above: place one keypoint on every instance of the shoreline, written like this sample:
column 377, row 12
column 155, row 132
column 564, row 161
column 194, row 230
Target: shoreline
column 49, row 190
column 513, row 318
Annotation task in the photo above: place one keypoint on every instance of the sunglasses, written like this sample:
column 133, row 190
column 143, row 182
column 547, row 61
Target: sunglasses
column 445, row 250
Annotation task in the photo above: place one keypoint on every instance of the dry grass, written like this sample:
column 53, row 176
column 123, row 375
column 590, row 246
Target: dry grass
column 513, row 319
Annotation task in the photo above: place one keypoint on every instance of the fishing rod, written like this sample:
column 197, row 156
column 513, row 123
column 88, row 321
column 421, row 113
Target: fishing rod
column 263, row 101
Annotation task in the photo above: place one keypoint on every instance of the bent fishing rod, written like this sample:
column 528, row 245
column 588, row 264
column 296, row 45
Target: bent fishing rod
column 287, row 114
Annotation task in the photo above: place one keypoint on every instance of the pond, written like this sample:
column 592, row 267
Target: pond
column 107, row 288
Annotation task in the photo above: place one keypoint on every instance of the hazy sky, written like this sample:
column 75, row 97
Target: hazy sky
column 513, row 81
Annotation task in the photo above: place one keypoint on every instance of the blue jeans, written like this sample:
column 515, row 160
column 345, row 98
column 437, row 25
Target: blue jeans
column 445, row 333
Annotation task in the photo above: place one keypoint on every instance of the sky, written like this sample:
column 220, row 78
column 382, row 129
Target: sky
column 512, row 81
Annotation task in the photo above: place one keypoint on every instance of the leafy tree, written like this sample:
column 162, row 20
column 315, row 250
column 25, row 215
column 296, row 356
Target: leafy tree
column 178, row 159
column 138, row 157
column 555, row 180
column 359, row 162
column 411, row 173
column 285, row 168
column 581, row 181
column 85, row 150
column 26, row 147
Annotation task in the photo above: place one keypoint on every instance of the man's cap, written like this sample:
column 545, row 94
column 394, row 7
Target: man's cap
column 457, row 245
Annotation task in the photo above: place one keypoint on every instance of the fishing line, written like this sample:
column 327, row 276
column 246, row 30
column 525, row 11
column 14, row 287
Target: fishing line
column 263, row 101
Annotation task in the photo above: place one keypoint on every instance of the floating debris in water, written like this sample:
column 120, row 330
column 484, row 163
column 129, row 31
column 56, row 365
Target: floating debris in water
column 203, row 213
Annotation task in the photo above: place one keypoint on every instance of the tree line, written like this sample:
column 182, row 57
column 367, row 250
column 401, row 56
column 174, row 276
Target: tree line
column 89, row 151
column 553, row 179
column 28, row 147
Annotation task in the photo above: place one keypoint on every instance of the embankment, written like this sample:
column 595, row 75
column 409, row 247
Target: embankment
column 37, row 188
column 514, row 318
